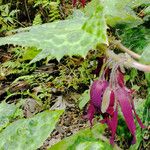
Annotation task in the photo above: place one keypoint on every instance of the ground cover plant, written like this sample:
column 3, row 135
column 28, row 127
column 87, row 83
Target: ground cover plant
column 74, row 74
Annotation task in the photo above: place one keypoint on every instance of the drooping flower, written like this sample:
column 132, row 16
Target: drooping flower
column 106, row 95
column 96, row 93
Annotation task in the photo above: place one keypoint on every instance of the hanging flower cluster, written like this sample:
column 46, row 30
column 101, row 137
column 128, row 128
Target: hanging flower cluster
column 107, row 94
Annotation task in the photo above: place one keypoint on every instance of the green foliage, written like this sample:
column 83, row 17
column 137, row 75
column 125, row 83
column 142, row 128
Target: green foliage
column 96, row 24
column 37, row 19
column 141, row 105
column 131, row 77
column 7, row 18
column 15, row 67
column 29, row 133
column 45, row 3
column 137, row 3
column 29, row 53
column 71, row 76
column 54, row 11
column 84, row 99
column 74, row 36
column 145, row 57
column 8, row 112
column 117, row 12
column 135, row 38
column 58, row 38
column 50, row 7
column 147, row 10
column 84, row 140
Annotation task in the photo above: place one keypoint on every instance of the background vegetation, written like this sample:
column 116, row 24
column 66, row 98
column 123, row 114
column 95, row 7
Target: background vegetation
column 50, row 54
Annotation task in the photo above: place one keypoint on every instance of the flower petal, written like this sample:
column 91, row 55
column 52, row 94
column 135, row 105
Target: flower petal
column 106, row 100
column 112, row 104
column 112, row 123
column 97, row 90
column 90, row 113
column 120, row 78
column 124, row 101
column 74, row 2
column 83, row 2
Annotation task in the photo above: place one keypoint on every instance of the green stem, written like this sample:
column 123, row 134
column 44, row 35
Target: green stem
column 125, row 49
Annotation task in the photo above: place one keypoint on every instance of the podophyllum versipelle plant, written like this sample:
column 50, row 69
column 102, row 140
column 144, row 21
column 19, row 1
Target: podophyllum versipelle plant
column 90, row 28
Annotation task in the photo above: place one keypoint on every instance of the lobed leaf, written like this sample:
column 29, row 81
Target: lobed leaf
column 59, row 38
column 117, row 12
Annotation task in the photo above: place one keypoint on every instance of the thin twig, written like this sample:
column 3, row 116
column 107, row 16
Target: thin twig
column 25, row 3
column 128, row 51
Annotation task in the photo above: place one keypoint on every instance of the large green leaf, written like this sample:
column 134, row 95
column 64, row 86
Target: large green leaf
column 8, row 112
column 96, row 24
column 84, row 140
column 137, row 3
column 59, row 38
column 29, row 134
column 120, row 12
column 117, row 12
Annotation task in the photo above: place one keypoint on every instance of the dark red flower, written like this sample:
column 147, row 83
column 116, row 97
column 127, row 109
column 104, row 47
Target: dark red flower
column 96, row 93
column 105, row 98
column 82, row 1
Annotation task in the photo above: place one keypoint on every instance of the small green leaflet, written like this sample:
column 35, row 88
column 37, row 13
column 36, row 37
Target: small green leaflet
column 29, row 134
column 84, row 99
column 147, row 10
column 59, row 38
column 145, row 57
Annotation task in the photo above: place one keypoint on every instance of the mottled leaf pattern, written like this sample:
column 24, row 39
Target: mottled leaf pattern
column 59, row 38
column 29, row 133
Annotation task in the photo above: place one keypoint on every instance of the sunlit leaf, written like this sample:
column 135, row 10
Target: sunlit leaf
column 84, row 99
column 84, row 140
column 29, row 133
column 8, row 112
column 117, row 12
column 59, row 38
column 96, row 24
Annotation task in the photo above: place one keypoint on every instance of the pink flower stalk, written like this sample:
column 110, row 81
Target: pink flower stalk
column 106, row 97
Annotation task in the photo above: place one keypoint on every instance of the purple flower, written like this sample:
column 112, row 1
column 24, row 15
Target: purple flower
column 96, row 93
column 106, row 97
